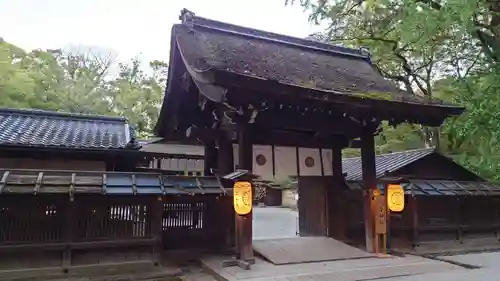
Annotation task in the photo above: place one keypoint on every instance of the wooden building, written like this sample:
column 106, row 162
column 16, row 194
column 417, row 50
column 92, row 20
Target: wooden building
column 173, row 157
column 448, row 207
column 72, row 199
column 36, row 139
column 229, row 84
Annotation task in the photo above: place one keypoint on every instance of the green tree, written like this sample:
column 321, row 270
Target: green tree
column 444, row 49
column 81, row 82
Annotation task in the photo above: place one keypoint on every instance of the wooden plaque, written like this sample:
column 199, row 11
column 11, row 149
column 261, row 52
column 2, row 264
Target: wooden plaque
column 380, row 215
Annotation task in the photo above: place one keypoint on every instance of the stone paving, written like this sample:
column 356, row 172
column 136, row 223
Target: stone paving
column 270, row 222
column 345, row 270
column 489, row 271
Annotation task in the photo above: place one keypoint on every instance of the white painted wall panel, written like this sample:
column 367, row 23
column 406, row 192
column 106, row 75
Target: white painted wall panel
column 285, row 159
column 309, row 162
column 327, row 162
column 263, row 161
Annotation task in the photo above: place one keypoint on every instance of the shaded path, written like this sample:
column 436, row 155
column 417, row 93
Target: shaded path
column 274, row 222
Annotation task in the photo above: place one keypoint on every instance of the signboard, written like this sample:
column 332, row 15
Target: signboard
column 242, row 197
column 395, row 197
column 380, row 215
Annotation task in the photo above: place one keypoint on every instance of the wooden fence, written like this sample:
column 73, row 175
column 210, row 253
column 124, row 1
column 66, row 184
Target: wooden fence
column 66, row 219
column 438, row 216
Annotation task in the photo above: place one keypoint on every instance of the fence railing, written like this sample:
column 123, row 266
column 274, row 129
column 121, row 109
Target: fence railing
column 147, row 213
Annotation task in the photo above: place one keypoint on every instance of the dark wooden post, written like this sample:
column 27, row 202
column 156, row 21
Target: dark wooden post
column 69, row 218
column 244, row 222
column 370, row 184
column 458, row 213
column 414, row 215
column 225, row 158
column 335, row 214
column 225, row 165
column 156, row 222
column 210, row 157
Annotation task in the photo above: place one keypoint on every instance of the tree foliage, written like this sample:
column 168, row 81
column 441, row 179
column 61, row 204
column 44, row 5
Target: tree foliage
column 448, row 49
column 81, row 82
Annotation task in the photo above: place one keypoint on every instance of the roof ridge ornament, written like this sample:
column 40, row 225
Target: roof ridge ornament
column 187, row 17
column 365, row 51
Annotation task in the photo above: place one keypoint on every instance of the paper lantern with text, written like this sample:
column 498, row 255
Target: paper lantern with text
column 242, row 197
column 395, row 197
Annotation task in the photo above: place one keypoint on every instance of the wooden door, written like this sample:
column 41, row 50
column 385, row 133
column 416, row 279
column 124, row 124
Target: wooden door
column 312, row 206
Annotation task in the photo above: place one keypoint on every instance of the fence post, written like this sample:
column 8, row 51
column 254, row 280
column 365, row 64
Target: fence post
column 156, row 221
column 68, row 233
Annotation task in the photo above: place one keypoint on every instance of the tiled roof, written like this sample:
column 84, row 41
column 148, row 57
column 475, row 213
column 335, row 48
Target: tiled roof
column 27, row 127
column 383, row 162
column 208, row 45
column 442, row 187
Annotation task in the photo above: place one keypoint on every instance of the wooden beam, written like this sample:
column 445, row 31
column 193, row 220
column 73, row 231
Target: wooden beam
column 319, row 124
column 265, row 136
column 370, row 184
column 424, row 113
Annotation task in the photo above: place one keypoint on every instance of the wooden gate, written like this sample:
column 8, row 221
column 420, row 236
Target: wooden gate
column 312, row 206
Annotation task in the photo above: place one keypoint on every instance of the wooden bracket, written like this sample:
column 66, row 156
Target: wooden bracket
column 162, row 185
column 72, row 187
column 199, row 185
column 134, row 185
column 38, row 183
column 3, row 182
column 104, row 183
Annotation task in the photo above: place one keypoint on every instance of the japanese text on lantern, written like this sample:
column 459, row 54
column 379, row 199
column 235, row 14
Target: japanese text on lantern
column 395, row 197
column 242, row 197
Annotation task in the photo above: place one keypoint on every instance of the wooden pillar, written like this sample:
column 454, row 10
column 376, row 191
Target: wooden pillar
column 225, row 158
column 244, row 222
column 210, row 158
column 335, row 215
column 370, row 184
column 225, row 165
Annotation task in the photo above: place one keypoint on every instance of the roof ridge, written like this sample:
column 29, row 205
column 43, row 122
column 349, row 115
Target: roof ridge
column 397, row 152
column 69, row 115
column 189, row 18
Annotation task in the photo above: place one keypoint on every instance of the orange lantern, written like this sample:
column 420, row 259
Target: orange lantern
column 395, row 197
column 242, row 197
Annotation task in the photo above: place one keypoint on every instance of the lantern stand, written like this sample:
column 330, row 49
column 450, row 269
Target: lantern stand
column 391, row 186
column 243, row 205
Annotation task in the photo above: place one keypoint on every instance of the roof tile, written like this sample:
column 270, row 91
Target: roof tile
column 384, row 163
column 29, row 127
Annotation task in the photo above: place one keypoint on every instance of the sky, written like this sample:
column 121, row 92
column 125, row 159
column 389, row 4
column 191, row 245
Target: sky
column 128, row 28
